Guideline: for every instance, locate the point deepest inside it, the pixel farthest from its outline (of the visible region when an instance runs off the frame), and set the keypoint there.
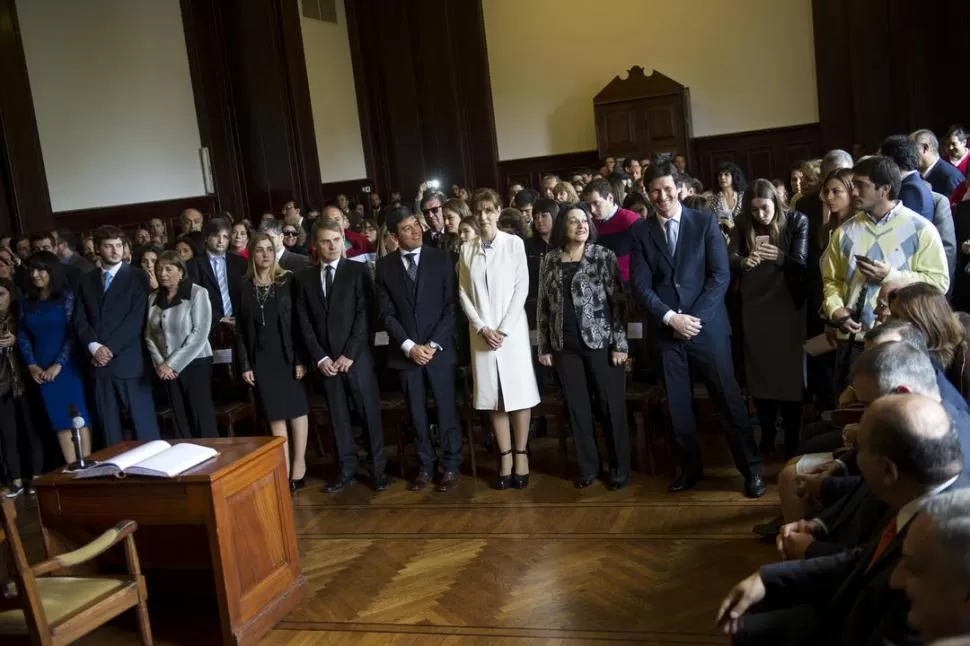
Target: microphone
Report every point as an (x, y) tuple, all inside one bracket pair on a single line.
[(77, 423)]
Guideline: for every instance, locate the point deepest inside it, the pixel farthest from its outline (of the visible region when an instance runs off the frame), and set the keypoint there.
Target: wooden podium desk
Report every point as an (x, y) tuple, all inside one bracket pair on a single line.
[(232, 515)]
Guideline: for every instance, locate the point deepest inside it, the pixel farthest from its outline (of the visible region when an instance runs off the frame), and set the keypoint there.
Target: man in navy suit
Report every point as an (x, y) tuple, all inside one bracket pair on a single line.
[(914, 192), (221, 273), (416, 297), (942, 176), (112, 305), (909, 452), (680, 274)]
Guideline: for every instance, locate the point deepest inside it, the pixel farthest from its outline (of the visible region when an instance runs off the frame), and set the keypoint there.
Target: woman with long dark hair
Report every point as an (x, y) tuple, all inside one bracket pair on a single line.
[(46, 341), (769, 247), (726, 203)]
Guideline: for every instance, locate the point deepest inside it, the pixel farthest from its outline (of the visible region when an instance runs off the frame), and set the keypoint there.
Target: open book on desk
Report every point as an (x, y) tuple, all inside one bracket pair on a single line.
[(158, 459)]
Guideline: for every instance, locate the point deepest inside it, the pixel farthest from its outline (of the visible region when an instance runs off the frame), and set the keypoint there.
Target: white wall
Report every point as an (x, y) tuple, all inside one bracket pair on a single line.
[(113, 99), (749, 64), (333, 99)]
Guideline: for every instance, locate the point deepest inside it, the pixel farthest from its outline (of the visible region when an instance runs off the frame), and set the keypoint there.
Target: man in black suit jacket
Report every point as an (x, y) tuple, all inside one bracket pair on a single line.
[(908, 452), (942, 175), (680, 274), (112, 305), (416, 298), (294, 262), (431, 208), (219, 272), (332, 304)]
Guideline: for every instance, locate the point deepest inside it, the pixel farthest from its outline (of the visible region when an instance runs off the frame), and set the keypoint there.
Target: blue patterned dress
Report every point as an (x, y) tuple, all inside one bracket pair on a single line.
[(46, 337)]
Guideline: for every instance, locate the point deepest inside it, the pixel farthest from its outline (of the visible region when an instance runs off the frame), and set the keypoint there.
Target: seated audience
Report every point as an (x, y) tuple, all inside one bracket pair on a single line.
[(614, 225), (268, 351), (943, 177), (884, 241), (13, 404), (769, 247), (908, 453), (333, 303), (421, 327), (46, 341), (493, 285), (177, 337), (112, 306), (582, 332), (728, 196), (932, 569)]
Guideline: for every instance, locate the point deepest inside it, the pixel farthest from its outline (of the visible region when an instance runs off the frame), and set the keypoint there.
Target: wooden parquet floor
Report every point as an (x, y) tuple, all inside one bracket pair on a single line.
[(548, 565)]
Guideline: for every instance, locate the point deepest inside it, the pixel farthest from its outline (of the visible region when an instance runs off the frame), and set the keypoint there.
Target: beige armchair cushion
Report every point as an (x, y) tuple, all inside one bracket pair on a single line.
[(62, 597)]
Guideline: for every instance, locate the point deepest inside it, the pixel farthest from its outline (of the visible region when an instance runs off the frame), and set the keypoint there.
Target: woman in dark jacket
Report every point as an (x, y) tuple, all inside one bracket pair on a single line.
[(268, 353), (583, 333), (769, 248)]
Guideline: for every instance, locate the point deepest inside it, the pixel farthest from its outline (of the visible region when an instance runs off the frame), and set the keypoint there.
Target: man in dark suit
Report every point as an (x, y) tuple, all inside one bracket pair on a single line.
[(942, 176), (333, 302), (416, 298), (75, 265), (680, 274), (219, 272), (908, 453), (112, 305), (431, 208), (295, 262), (914, 193)]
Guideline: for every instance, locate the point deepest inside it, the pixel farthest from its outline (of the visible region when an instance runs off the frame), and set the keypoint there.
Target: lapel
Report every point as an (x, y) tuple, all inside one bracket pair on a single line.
[(423, 259), (685, 233), (206, 263), (120, 275), (316, 286), (660, 239), (340, 276)]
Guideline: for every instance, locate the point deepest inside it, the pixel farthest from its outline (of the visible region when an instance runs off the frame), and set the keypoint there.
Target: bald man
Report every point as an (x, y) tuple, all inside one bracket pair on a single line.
[(909, 452), (191, 220), (934, 571)]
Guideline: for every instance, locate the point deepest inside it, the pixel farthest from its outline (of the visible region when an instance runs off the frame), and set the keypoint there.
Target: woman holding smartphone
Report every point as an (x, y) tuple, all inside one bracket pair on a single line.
[(769, 247)]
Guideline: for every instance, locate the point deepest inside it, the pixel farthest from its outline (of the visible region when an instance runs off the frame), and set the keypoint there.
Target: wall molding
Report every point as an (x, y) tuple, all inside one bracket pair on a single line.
[(127, 216), (767, 153)]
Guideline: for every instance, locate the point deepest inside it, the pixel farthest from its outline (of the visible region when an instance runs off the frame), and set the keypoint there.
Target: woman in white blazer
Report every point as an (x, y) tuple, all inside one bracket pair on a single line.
[(493, 280)]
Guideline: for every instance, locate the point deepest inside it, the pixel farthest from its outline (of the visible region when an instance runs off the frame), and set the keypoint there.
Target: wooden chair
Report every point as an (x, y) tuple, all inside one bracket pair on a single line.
[(52, 610)]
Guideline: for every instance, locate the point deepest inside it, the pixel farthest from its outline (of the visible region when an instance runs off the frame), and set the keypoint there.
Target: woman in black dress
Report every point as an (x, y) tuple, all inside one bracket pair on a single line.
[(268, 352)]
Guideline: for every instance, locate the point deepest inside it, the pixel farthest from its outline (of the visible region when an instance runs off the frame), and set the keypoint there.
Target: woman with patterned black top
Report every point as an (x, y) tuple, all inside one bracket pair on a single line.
[(727, 198), (582, 332), (268, 353)]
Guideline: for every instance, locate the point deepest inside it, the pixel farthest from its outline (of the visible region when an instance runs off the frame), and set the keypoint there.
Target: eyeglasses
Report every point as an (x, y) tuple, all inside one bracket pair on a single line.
[(289, 234), (435, 209)]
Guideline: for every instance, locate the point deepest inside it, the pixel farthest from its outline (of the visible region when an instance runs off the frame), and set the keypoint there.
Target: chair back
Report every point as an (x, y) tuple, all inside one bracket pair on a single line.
[(27, 598)]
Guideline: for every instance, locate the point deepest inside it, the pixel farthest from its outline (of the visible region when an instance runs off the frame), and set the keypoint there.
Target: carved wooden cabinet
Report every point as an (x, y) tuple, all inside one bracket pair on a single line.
[(642, 115)]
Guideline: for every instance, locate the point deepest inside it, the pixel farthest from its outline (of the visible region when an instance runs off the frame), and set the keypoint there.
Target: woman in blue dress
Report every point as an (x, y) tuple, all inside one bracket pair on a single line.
[(45, 338)]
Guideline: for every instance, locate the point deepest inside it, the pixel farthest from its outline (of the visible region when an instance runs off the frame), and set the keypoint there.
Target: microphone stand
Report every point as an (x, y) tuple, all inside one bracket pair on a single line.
[(77, 423)]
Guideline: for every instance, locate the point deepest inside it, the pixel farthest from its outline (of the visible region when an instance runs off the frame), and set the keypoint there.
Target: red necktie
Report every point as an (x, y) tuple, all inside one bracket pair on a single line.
[(887, 537)]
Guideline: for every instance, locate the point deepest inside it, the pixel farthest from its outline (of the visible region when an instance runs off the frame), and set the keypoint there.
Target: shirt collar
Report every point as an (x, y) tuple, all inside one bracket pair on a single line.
[(612, 213), (889, 214), (415, 254), (213, 256), (910, 509), (678, 211), (329, 264), (960, 161), (279, 254), (927, 172), (113, 270), (908, 173)]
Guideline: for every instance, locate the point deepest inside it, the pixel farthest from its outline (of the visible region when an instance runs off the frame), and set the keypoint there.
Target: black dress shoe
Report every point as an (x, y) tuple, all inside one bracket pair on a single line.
[(503, 482), (769, 529), (582, 483), (520, 481), (297, 484), (754, 486), (685, 481), (381, 482), (422, 481), (616, 485), (449, 480), (340, 484)]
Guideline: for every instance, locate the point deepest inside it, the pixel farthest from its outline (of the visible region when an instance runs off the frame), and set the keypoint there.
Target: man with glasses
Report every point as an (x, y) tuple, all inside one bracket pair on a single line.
[(284, 257), (433, 215)]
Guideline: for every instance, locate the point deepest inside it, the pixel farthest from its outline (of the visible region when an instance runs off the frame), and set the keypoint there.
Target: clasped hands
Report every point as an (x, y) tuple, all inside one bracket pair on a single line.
[(331, 368), (102, 357), (493, 338), (421, 354), (44, 376), (685, 326)]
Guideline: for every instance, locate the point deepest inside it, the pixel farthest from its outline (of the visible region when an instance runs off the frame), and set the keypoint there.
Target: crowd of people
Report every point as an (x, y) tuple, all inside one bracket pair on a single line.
[(864, 259)]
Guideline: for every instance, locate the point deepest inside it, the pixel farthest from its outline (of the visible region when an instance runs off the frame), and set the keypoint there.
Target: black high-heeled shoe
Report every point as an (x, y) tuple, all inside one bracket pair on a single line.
[(504, 482), (297, 484), (519, 481)]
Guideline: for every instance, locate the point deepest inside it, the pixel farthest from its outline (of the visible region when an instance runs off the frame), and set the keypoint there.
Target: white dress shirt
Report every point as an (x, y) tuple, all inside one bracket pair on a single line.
[(94, 346), (663, 225), (416, 256), (323, 287)]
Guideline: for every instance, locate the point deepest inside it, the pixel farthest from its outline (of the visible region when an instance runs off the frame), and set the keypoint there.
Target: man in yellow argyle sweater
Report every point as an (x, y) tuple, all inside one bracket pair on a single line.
[(882, 243)]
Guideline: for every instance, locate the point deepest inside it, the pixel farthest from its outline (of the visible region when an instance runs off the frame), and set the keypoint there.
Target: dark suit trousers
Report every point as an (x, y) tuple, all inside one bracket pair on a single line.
[(112, 395), (782, 627), (585, 375), (441, 379), (191, 399), (710, 352), (362, 387), (846, 352)]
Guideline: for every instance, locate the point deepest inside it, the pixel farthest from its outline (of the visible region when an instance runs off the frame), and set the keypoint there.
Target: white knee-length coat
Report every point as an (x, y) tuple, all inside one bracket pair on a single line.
[(493, 286)]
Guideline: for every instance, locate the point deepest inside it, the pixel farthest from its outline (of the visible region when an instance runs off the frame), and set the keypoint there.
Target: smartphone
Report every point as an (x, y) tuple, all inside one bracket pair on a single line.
[(862, 259), (761, 240), (433, 183)]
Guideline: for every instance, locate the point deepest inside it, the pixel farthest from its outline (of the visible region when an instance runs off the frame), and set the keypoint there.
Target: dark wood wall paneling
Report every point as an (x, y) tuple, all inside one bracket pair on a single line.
[(25, 204), (352, 188), (423, 92), (760, 153), (529, 171), (889, 66), (127, 216), (253, 102)]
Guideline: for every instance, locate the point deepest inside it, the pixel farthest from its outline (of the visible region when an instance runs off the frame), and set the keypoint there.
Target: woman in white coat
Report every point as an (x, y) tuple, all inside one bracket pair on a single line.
[(493, 280)]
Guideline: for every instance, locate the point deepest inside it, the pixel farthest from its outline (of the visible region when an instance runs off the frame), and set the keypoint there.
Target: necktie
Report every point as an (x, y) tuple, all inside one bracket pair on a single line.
[(220, 266), (328, 281), (671, 236), (107, 280), (887, 537), (412, 268)]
